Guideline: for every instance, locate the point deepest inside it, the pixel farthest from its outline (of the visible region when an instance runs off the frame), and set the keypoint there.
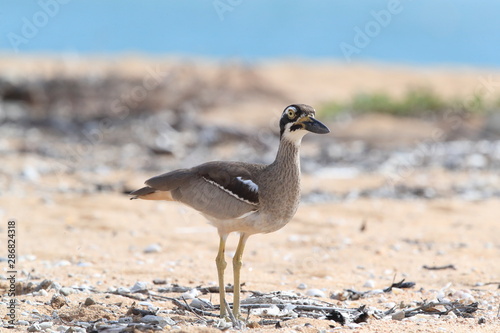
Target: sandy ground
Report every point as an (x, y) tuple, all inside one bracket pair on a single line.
[(99, 239)]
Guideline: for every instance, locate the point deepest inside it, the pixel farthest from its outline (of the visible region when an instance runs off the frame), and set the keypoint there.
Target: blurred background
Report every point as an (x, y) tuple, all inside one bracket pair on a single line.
[(92, 86), (98, 96)]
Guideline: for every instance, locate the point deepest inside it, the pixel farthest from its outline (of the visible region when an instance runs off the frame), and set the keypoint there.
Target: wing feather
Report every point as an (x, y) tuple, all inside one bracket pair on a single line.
[(222, 190)]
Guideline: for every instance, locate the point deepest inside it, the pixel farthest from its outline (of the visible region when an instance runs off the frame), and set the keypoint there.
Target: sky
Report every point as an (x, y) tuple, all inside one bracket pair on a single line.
[(449, 32)]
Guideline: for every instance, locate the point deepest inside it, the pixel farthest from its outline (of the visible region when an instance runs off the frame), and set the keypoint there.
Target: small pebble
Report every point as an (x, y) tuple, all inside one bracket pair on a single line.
[(43, 292), (161, 321), (481, 321), (56, 286), (369, 284), (46, 324), (390, 305), (89, 301), (62, 263), (34, 328), (193, 293), (139, 287), (420, 318), (153, 248), (201, 303), (273, 310), (159, 281), (400, 315), (123, 290), (125, 320), (148, 304), (23, 322), (353, 325), (45, 284), (315, 293), (57, 302), (397, 291), (66, 291), (302, 286), (451, 315)]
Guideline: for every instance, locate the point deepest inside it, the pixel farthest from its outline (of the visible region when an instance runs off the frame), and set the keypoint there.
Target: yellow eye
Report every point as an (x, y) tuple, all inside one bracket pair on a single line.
[(291, 113)]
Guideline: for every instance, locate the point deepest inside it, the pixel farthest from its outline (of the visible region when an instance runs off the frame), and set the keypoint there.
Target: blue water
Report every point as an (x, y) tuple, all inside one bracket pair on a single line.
[(451, 32)]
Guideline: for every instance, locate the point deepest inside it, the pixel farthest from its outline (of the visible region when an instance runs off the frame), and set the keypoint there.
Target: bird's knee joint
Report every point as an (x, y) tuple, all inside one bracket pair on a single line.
[(237, 263), (221, 262)]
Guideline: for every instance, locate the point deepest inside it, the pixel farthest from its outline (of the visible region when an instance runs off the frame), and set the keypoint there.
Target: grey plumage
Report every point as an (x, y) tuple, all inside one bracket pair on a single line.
[(242, 197)]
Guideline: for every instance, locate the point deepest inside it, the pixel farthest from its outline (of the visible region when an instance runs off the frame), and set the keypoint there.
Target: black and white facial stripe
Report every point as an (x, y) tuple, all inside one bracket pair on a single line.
[(292, 114)]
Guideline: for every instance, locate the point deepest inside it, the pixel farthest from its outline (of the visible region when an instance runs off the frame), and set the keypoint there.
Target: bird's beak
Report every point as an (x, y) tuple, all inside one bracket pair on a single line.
[(313, 125)]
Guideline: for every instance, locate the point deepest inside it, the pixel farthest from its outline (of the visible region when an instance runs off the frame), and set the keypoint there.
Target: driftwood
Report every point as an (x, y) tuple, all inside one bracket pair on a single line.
[(282, 306)]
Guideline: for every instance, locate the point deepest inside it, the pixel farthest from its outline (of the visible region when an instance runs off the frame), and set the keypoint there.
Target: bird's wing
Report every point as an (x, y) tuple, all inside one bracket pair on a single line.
[(222, 190)]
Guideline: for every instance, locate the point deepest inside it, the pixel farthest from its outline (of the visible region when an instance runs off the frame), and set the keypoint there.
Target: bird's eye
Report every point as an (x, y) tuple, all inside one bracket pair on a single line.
[(291, 113)]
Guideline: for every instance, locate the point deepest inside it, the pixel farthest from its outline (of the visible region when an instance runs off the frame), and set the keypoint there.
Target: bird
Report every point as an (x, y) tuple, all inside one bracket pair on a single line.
[(246, 198)]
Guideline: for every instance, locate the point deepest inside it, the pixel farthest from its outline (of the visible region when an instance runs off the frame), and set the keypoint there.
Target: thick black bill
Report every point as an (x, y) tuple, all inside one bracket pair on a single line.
[(315, 126)]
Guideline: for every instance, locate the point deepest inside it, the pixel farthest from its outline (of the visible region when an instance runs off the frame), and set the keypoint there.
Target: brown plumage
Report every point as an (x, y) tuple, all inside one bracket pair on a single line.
[(242, 197)]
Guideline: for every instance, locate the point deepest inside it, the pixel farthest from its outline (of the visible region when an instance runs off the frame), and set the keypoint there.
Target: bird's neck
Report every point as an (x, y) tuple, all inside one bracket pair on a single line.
[(287, 157)]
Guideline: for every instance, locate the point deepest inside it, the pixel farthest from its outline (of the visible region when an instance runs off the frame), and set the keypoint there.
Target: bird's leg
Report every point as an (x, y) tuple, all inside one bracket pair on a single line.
[(221, 266), (236, 270)]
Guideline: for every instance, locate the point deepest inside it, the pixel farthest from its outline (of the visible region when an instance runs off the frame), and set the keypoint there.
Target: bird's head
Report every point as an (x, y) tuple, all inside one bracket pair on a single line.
[(297, 120)]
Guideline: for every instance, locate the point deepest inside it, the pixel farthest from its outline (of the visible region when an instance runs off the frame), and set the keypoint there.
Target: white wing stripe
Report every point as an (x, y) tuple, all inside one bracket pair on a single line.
[(251, 185), (229, 192)]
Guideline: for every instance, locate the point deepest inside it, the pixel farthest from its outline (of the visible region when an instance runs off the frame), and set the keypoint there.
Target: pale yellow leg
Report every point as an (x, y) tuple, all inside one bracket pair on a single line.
[(221, 266), (236, 271)]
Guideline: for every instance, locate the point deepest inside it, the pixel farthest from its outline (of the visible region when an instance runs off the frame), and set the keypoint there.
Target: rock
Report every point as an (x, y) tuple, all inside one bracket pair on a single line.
[(193, 293), (139, 287), (302, 286), (148, 304), (45, 284), (400, 315), (123, 290), (390, 305), (57, 302), (315, 293), (42, 292), (153, 248), (62, 263), (46, 324), (66, 291), (369, 284), (125, 320), (200, 303), (23, 322), (89, 301), (34, 328), (159, 281), (56, 286), (158, 320), (353, 326)]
